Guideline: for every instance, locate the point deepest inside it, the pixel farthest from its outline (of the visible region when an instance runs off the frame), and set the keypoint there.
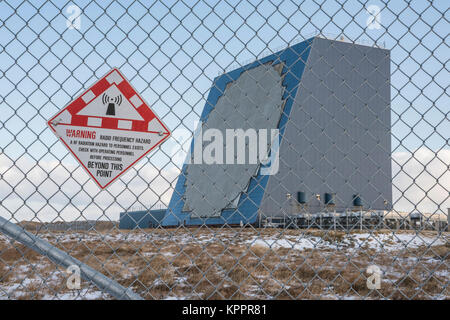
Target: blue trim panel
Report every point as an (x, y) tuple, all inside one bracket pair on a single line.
[(294, 59), (141, 219)]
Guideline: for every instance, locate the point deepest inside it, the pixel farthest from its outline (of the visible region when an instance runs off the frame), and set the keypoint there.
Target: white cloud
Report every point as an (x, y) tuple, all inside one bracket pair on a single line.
[(64, 191), (421, 181)]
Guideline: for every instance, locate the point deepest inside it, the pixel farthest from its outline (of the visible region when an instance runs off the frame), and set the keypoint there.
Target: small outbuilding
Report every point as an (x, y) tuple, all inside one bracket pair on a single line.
[(141, 219)]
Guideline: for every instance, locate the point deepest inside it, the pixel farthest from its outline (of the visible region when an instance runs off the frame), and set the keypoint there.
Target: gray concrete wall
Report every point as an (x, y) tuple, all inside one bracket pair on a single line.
[(338, 138)]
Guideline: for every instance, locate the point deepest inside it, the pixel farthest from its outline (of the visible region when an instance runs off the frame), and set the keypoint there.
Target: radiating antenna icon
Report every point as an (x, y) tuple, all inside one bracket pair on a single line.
[(111, 110)]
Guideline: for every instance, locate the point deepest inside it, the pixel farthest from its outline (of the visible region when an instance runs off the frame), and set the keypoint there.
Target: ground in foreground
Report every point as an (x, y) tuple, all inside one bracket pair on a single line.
[(226, 263)]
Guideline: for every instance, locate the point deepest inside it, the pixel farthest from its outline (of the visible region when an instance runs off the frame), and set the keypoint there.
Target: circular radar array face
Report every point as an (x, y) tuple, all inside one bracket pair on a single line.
[(253, 101)]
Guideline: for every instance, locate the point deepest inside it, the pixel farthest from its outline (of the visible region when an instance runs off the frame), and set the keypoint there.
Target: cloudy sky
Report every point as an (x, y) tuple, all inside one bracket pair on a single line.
[(171, 51), (54, 190)]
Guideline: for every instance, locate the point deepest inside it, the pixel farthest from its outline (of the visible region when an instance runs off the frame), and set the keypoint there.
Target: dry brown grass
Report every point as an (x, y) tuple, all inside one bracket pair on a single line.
[(175, 263)]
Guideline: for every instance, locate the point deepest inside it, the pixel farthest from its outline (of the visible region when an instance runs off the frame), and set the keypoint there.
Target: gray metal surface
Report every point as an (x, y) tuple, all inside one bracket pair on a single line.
[(253, 101), (338, 138)]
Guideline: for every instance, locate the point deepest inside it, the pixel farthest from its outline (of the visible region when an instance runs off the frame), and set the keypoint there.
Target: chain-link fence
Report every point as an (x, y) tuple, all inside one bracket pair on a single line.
[(308, 155)]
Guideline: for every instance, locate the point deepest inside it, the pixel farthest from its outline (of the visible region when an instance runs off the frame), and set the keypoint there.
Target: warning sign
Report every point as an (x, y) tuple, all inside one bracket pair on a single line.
[(108, 128)]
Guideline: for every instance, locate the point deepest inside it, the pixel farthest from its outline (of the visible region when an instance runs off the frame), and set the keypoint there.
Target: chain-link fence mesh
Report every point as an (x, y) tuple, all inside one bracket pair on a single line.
[(348, 198)]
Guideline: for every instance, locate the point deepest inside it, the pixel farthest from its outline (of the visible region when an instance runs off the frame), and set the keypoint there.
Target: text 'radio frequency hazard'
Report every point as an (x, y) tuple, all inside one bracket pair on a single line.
[(106, 154)]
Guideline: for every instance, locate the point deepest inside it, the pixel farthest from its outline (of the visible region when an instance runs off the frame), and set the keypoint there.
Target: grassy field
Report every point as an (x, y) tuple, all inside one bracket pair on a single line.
[(236, 263)]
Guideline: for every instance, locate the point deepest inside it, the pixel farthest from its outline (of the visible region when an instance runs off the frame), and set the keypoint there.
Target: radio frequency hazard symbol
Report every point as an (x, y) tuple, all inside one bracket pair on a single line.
[(108, 128)]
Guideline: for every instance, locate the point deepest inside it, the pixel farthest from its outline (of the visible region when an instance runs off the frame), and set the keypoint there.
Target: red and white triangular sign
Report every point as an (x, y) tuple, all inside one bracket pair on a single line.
[(108, 128)]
